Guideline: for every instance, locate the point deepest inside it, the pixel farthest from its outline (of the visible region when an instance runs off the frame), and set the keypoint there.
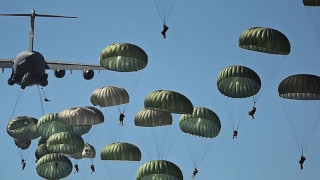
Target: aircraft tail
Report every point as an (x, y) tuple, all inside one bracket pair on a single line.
[(32, 15)]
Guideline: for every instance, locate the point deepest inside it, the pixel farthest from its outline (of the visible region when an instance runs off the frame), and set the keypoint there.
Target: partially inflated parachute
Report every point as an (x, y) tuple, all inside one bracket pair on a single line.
[(202, 122), (152, 118), (54, 166), (109, 96), (168, 101), (23, 128), (238, 82), (300, 97), (121, 152), (159, 169), (22, 144), (65, 143), (123, 57), (265, 40)]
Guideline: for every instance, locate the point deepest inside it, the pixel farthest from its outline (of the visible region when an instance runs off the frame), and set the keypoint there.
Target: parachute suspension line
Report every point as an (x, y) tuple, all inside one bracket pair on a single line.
[(40, 96), (292, 129), (315, 108), (16, 103), (155, 144), (171, 146), (133, 89), (157, 7), (206, 152), (169, 13), (193, 158)]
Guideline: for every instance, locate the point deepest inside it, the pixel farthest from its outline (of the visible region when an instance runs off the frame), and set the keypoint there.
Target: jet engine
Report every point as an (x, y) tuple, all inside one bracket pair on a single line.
[(59, 73), (88, 74)]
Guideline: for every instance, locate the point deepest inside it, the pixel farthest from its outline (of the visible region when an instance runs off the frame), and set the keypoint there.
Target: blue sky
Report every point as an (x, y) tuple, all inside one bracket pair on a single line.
[(201, 41)]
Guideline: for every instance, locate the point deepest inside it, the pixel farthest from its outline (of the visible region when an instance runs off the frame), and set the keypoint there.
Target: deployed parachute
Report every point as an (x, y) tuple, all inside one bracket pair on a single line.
[(265, 40), (168, 101), (23, 128), (79, 116), (109, 96), (65, 143), (22, 144), (121, 152), (164, 8), (263, 50), (199, 128), (238, 83), (300, 96), (203, 122), (54, 166), (49, 125), (158, 125), (41, 150), (312, 8), (123, 57), (159, 169), (120, 156), (152, 118)]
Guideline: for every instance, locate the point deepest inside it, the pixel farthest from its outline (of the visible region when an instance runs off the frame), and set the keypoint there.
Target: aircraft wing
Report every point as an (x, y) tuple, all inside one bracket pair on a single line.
[(57, 65), (6, 63)]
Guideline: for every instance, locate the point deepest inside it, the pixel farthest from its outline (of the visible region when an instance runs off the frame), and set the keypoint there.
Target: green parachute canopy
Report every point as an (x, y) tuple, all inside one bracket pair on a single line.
[(123, 57), (22, 144), (23, 128), (152, 118), (46, 166), (311, 2), (81, 130), (78, 116), (109, 96), (265, 40), (202, 122), (238, 82), (159, 169), (41, 150), (168, 101), (300, 87), (65, 143), (121, 152), (49, 125), (42, 141)]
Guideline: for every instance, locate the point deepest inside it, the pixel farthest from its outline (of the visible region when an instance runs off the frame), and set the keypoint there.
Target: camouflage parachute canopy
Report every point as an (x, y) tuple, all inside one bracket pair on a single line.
[(121, 152), (168, 101), (203, 122), (123, 57), (109, 96), (54, 166), (311, 2), (159, 169), (81, 116), (152, 118), (300, 87), (238, 82), (265, 40), (23, 128)]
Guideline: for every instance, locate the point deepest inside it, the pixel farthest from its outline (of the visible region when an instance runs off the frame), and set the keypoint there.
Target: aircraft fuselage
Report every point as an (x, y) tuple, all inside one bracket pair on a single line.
[(29, 69)]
